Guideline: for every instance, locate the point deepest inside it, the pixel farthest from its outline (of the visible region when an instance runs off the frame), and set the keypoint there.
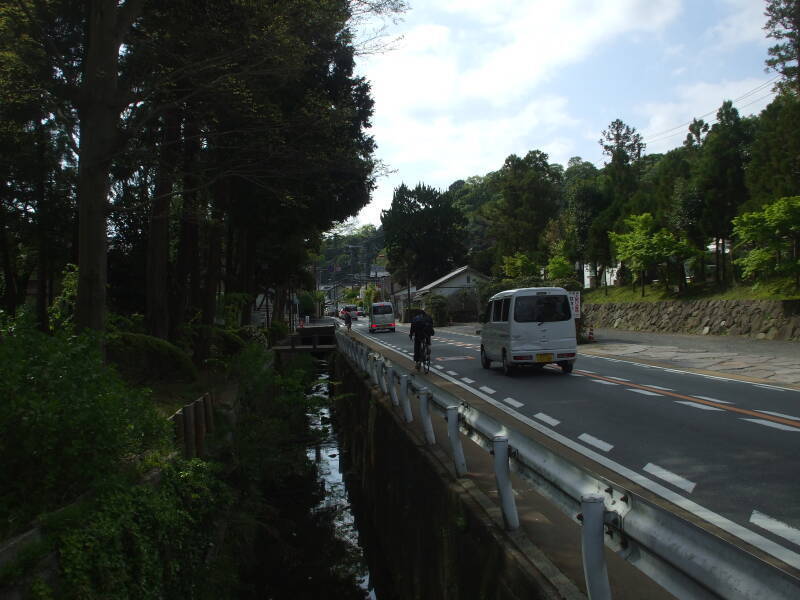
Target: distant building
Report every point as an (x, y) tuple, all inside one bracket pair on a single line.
[(463, 278)]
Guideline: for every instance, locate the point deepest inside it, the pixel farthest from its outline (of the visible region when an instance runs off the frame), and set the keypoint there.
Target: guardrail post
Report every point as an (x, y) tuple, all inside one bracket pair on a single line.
[(425, 415), (502, 475), (382, 375), (392, 389), (405, 401), (592, 547), (459, 461), (188, 431)]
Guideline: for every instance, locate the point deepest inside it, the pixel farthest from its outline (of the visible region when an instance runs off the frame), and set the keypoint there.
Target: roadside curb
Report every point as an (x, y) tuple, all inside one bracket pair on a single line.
[(667, 365)]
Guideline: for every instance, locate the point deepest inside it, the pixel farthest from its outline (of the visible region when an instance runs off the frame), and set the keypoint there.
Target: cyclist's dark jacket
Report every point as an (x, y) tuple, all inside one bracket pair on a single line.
[(422, 327)]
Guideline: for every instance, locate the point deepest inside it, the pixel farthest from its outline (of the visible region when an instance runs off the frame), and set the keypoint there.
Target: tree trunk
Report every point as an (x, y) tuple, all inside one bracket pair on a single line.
[(98, 110), (9, 270), (212, 279), (185, 281), (158, 239)]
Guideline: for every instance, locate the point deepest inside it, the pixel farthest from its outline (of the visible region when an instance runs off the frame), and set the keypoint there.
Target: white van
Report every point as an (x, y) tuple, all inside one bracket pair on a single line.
[(381, 316), (529, 326)]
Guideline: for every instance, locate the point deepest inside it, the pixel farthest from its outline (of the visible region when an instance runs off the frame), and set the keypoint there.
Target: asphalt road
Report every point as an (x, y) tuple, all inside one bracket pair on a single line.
[(722, 448)]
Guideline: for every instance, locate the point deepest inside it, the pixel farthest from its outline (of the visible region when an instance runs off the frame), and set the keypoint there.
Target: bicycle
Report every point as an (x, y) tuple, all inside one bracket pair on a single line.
[(424, 362)]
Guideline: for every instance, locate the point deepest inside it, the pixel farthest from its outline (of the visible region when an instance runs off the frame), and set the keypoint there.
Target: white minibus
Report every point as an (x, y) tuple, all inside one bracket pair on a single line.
[(529, 326), (381, 317)]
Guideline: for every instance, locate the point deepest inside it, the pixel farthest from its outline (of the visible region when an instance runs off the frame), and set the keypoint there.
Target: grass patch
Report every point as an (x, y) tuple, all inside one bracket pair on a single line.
[(774, 289)]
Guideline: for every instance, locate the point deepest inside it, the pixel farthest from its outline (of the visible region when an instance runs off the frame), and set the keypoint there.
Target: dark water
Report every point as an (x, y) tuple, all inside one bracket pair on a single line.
[(336, 501)]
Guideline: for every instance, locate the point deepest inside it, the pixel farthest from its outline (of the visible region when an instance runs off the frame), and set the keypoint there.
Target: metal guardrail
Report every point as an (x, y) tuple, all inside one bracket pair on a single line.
[(685, 559)]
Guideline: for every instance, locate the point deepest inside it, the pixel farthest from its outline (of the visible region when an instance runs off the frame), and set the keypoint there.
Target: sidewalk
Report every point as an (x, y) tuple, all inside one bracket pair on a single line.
[(762, 361)]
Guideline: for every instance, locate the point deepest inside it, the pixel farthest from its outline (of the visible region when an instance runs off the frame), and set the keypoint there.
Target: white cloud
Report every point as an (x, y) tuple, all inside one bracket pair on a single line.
[(744, 24)]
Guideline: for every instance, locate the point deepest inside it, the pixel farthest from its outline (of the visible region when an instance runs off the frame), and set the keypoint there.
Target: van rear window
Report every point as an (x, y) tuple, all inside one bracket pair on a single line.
[(382, 309), (541, 309)]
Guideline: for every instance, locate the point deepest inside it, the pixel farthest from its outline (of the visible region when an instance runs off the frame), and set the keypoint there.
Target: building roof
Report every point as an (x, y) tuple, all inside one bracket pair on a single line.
[(427, 288)]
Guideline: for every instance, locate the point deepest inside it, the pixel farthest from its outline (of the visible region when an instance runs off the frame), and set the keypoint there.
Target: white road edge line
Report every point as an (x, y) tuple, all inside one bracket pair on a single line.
[(696, 405), (547, 419), (669, 476), (780, 528), (705, 375), (777, 414), (644, 392), (597, 443), (743, 533), (711, 399), (766, 423)]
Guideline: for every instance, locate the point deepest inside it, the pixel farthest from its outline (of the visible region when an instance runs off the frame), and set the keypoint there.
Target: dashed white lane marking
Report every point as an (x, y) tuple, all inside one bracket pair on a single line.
[(644, 392), (780, 426), (467, 380), (669, 476), (777, 414), (604, 382), (713, 399), (453, 373), (658, 387), (597, 443), (619, 378), (587, 371), (780, 528), (513, 402), (545, 418), (488, 390), (696, 405), (438, 367)]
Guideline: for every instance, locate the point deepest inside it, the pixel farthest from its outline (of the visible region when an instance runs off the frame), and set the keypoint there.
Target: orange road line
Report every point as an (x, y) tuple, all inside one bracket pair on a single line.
[(743, 411)]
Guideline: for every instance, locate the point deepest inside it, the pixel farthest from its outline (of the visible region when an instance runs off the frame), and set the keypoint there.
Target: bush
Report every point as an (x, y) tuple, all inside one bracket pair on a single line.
[(137, 541), (143, 358), (66, 421), (437, 308), (278, 330)]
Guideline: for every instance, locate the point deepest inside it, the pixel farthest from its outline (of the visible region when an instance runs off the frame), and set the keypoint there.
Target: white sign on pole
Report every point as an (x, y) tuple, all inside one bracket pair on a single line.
[(575, 303)]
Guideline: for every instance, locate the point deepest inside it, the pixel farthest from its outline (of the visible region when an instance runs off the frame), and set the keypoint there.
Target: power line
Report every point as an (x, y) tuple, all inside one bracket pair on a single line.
[(658, 136), (710, 123)]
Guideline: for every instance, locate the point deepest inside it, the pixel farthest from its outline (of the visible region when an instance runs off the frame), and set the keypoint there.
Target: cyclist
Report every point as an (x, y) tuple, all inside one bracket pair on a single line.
[(421, 332), (348, 319)]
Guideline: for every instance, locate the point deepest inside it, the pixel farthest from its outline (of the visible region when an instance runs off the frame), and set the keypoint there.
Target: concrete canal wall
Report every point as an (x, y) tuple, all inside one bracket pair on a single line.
[(435, 532)]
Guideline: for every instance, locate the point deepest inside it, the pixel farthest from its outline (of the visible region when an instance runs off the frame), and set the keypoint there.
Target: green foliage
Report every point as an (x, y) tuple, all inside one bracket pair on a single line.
[(66, 421), (278, 330), (424, 234), (232, 305), (436, 306), (772, 236), (519, 265), (143, 358), (138, 541), (62, 310), (560, 268)]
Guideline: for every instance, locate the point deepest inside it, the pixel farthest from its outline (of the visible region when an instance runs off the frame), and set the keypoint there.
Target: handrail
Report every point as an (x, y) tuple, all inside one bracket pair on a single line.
[(687, 560)]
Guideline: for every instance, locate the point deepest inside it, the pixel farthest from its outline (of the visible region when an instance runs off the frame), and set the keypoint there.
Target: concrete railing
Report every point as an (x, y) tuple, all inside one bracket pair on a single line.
[(685, 559)]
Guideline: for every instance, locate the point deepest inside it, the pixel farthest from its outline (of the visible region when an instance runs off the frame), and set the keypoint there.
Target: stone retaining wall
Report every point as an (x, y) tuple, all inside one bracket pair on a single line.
[(761, 319)]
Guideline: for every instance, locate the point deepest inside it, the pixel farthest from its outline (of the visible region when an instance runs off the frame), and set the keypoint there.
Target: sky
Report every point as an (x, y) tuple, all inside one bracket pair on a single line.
[(469, 82)]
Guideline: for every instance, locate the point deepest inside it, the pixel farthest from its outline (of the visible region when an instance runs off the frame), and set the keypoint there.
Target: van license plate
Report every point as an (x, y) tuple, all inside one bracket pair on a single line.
[(544, 358)]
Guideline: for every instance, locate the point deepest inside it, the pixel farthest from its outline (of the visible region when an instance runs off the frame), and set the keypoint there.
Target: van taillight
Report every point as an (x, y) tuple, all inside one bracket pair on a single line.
[(391, 324)]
